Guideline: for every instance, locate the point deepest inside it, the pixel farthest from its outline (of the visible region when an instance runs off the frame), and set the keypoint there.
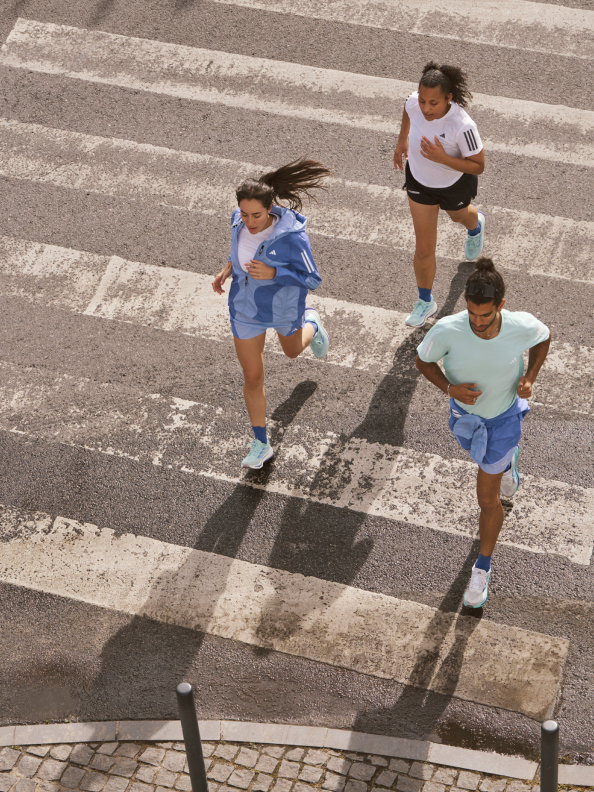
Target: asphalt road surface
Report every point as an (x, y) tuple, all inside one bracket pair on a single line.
[(325, 590)]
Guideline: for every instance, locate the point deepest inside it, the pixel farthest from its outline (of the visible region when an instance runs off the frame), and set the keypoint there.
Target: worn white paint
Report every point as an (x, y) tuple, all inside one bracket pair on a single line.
[(317, 465), (363, 336), (366, 213), (293, 90), (492, 664), (516, 24)]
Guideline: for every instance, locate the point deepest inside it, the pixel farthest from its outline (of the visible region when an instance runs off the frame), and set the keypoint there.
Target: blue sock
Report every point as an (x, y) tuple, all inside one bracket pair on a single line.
[(260, 433), (476, 231), (507, 468), (424, 294), (483, 562)]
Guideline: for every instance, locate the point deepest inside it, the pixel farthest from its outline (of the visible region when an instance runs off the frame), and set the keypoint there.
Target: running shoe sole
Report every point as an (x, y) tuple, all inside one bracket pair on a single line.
[(515, 475), (322, 332), (268, 455)]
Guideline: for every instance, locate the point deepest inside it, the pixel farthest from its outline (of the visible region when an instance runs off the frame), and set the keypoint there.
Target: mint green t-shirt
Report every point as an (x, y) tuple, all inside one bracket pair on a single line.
[(495, 364)]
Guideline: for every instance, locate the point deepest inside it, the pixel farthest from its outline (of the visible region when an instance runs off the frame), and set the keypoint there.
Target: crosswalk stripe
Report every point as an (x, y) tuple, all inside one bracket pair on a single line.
[(363, 336), (353, 211), (482, 661), (286, 89), (320, 466), (513, 24)]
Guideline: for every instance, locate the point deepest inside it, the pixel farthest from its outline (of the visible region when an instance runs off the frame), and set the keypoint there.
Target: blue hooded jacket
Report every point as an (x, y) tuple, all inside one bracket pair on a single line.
[(280, 301)]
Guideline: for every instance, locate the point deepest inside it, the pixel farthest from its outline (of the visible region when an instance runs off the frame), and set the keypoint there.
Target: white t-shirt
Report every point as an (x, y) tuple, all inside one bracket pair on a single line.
[(248, 244), (457, 133)]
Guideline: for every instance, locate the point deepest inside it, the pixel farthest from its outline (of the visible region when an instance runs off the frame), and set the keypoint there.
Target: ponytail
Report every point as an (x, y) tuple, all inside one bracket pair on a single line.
[(485, 274), (450, 79), (288, 183)]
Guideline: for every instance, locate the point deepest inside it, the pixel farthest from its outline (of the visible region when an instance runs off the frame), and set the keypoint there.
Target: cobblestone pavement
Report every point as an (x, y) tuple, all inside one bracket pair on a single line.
[(160, 767)]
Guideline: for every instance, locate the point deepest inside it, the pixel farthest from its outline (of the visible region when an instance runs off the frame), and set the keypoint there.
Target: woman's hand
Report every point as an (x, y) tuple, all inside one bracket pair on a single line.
[(260, 271), (434, 151), (217, 284), (464, 392), (401, 154)]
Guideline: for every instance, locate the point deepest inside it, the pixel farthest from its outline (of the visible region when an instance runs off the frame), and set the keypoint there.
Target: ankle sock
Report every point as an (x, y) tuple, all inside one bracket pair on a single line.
[(424, 294), (315, 324), (260, 433), (483, 562), (476, 231)]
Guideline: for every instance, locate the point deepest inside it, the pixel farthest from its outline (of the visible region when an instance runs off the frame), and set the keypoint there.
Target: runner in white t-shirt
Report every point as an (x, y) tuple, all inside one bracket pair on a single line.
[(441, 148)]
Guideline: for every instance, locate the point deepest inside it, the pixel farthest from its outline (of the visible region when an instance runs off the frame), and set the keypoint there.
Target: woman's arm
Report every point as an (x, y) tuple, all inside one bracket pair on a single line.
[(435, 152), (401, 149), (217, 284)]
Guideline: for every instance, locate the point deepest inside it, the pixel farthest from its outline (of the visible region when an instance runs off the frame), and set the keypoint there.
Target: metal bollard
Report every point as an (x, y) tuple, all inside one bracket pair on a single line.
[(191, 732), (549, 756)]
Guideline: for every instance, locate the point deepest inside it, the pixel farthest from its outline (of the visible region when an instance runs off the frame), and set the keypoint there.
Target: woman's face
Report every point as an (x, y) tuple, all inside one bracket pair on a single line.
[(254, 215), (433, 103)]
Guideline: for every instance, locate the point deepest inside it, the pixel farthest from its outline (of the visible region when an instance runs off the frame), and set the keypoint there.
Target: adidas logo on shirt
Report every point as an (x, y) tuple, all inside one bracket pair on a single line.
[(442, 134), (272, 253)]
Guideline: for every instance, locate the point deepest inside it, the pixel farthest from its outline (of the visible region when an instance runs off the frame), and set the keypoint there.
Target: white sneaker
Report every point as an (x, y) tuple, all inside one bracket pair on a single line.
[(474, 244), (421, 312), (477, 592), (510, 481)]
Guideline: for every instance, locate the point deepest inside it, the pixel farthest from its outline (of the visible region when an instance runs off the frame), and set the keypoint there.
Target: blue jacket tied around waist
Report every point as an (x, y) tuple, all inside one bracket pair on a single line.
[(282, 299), (488, 440)]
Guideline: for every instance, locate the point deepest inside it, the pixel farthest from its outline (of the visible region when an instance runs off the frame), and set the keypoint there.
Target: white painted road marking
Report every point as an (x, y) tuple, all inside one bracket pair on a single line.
[(319, 466), (363, 336), (535, 243), (287, 89), (478, 660), (515, 24)]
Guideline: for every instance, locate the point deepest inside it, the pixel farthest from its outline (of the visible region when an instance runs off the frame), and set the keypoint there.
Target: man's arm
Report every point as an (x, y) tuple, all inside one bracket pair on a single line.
[(462, 393), (536, 357)]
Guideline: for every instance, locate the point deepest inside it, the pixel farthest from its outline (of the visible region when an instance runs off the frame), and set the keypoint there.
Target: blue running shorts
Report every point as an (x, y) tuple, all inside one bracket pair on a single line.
[(245, 328)]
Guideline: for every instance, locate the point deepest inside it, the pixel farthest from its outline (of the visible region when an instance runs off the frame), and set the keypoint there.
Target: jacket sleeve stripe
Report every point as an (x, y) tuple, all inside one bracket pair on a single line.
[(307, 262)]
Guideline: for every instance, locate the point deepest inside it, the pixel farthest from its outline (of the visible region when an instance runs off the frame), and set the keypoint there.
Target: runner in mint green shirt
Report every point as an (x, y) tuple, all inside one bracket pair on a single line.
[(482, 354)]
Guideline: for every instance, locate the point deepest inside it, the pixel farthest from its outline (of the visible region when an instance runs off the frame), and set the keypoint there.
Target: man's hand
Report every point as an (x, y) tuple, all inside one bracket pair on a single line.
[(464, 392), (434, 151), (260, 271), (524, 388)]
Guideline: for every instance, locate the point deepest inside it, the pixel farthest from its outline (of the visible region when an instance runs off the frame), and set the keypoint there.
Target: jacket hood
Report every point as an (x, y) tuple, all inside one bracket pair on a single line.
[(289, 222)]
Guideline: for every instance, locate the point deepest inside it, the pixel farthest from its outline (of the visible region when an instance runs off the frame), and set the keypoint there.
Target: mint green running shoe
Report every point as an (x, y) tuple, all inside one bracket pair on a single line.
[(259, 453), (321, 340), (477, 592), (420, 313), (510, 481), (475, 244)]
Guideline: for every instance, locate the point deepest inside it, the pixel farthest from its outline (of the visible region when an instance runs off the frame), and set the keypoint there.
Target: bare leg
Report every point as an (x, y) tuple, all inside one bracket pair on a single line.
[(250, 353), (468, 217), (294, 344), (425, 223), (491, 519)]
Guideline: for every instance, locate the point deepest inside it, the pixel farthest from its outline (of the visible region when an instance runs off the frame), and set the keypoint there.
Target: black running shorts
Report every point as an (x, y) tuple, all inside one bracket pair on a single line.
[(458, 196)]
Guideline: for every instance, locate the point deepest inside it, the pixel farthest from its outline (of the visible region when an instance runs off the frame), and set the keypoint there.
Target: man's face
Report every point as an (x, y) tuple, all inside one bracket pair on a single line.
[(481, 317)]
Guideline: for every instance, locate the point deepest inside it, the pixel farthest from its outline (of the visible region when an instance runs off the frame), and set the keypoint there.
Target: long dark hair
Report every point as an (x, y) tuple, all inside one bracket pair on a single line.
[(450, 79), (288, 183), (485, 274)]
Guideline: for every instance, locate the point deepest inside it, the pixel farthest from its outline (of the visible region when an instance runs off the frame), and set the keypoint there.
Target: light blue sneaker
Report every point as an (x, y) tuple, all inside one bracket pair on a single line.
[(259, 453), (477, 592), (475, 244), (420, 313), (510, 480), (321, 340)]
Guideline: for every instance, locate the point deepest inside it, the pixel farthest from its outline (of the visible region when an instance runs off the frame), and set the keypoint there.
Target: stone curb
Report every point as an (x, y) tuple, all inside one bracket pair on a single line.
[(302, 736)]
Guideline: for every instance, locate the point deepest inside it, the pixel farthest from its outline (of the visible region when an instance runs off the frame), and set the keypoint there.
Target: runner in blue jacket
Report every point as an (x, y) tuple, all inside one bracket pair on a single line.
[(272, 269)]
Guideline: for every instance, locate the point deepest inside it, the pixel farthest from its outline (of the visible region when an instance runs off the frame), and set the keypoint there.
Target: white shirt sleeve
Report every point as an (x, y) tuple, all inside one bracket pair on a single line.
[(412, 104), (469, 141)]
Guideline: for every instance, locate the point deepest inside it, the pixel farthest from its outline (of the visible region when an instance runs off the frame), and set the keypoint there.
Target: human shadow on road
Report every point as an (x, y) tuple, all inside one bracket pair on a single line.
[(417, 704)]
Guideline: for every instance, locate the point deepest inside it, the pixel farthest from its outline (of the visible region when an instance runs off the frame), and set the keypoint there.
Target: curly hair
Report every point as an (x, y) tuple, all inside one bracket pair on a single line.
[(485, 274), (450, 79)]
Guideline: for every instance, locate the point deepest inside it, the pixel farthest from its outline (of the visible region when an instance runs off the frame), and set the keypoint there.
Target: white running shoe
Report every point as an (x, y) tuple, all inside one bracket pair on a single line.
[(420, 313), (321, 340), (259, 453), (475, 244), (477, 592), (510, 481)]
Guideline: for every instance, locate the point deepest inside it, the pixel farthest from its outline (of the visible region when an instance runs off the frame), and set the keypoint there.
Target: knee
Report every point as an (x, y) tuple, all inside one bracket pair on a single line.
[(253, 380), (490, 502), (424, 250), (292, 353)]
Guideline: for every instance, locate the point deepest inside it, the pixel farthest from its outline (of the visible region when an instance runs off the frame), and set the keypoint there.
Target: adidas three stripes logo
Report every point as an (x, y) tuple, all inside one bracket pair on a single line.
[(470, 140)]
